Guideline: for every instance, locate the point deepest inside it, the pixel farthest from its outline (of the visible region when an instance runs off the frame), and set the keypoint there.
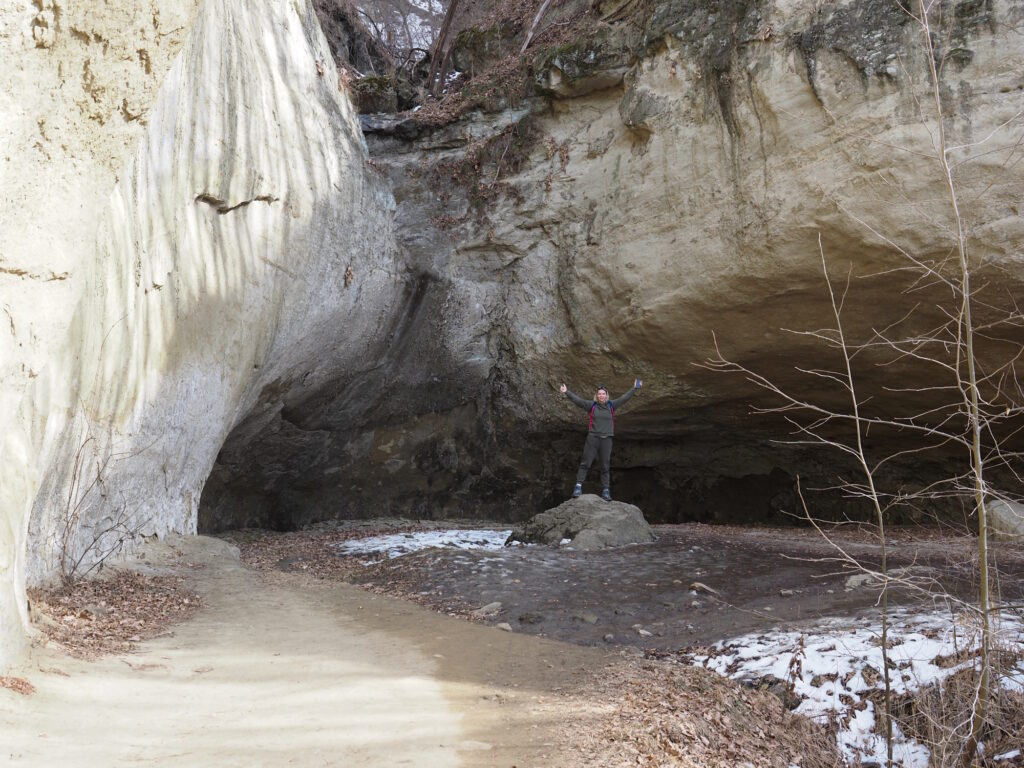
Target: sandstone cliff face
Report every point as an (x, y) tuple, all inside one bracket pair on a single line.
[(77, 86), (250, 312), (244, 255), (668, 186)]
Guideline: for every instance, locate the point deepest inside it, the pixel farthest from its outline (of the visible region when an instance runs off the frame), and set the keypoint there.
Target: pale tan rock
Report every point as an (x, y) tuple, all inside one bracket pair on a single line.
[(217, 275), (648, 218), (653, 217), (76, 83)]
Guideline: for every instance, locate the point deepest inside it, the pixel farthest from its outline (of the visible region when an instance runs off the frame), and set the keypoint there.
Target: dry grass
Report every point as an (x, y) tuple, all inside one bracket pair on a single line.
[(939, 716), (97, 617)]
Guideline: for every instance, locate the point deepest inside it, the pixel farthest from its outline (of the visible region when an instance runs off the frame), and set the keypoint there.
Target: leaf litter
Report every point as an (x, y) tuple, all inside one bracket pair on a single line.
[(98, 617), (18, 685)]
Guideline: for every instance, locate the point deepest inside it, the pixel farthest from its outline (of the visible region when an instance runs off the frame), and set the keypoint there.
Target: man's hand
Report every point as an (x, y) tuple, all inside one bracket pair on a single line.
[(563, 389), (637, 383)]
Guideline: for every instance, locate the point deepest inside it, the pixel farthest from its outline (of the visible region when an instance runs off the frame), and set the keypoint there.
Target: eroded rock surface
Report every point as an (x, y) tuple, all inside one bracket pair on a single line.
[(587, 522), (77, 86), (675, 194), (244, 256)]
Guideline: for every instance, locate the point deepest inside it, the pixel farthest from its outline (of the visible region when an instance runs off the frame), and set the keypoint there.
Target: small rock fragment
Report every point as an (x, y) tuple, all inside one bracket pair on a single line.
[(858, 580), (504, 626), (487, 610), (699, 586)]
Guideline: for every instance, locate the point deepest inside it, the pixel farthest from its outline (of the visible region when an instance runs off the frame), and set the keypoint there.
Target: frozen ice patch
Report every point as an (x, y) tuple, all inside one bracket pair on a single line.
[(398, 544)]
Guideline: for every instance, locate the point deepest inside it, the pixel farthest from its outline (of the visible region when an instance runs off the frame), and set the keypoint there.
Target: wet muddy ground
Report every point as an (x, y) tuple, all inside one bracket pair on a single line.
[(695, 585)]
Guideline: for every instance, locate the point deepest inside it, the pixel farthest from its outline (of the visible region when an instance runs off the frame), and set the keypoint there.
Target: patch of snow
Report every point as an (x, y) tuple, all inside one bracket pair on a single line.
[(428, 6), (1014, 680), (398, 544), (833, 666), (1008, 755)]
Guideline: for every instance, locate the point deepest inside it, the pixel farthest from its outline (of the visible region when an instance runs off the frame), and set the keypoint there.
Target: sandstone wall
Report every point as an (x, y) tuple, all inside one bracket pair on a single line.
[(78, 84), (243, 253)]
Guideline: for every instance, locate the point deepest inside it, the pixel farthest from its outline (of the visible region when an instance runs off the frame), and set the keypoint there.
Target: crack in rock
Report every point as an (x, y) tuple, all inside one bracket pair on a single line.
[(222, 206)]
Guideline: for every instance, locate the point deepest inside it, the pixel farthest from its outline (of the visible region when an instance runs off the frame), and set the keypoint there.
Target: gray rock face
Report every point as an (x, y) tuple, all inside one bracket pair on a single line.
[(588, 522)]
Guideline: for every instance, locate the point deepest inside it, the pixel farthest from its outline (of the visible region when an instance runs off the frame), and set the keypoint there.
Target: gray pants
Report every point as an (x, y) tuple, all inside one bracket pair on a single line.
[(596, 445)]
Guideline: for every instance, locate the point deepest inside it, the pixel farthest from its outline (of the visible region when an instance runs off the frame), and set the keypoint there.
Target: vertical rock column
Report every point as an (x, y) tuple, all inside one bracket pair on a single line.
[(246, 253)]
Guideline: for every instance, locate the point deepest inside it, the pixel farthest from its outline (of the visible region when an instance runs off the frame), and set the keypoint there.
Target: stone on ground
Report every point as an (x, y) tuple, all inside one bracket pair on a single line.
[(1007, 518), (588, 522)]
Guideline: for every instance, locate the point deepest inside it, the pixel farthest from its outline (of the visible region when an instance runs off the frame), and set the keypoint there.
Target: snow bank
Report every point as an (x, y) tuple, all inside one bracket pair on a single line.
[(833, 666)]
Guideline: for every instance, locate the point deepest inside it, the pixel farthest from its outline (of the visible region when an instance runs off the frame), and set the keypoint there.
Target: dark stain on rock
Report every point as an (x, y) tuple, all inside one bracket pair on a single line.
[(713, 34), (871, 35)]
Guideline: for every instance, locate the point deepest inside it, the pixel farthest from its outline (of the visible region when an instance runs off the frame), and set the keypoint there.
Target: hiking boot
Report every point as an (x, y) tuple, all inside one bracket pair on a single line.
[(606, 494), (577, 491)]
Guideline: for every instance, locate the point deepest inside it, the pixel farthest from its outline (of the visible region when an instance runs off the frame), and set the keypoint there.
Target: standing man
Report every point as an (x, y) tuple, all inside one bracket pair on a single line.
[(599, 438)]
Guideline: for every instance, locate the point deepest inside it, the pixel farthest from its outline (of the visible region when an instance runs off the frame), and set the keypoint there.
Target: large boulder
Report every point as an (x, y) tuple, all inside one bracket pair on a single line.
[(588, 522), (1006, 518)]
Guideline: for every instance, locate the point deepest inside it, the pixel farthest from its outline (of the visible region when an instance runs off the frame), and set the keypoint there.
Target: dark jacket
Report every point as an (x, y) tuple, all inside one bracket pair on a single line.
[(602, 422)]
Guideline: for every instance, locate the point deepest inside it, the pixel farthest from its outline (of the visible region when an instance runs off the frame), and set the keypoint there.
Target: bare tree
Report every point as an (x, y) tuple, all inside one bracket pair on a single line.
[(84, 544), (439, 53)]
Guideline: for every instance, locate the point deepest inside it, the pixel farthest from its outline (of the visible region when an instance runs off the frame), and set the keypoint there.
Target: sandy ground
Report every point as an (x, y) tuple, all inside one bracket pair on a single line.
[(274, 671), (288, 662)]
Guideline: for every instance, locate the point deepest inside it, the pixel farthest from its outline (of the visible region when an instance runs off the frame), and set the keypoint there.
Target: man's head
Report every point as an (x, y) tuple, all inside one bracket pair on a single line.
[(602, 395)]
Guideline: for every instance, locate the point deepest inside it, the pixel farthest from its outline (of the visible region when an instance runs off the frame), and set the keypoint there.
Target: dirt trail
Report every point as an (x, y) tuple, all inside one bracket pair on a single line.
[(276, 671)]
